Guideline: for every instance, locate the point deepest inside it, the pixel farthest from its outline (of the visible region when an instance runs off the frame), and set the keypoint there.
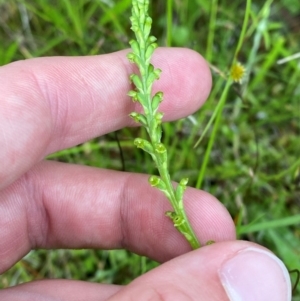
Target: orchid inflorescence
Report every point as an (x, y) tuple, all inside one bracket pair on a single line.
[(142, 50)]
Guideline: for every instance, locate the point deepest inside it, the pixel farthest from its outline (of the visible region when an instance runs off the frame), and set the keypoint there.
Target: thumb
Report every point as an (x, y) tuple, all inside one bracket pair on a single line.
[(232, 271)]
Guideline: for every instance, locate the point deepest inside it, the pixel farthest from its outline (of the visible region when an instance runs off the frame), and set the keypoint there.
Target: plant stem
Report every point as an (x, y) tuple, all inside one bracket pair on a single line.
[(169, 22), (143, 48), (222, 101), (211, 31), (213, 134)]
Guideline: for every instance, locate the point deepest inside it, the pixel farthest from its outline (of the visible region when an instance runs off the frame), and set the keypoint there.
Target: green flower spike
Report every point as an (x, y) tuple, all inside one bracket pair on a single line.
[(142, 50)]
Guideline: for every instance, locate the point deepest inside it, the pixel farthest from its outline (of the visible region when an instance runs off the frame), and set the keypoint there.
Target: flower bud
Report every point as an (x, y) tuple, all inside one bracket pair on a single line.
[(158, 118), (144, 145), (157, 182), (154, 181), (157, 73), (160, 148), (181, 187), (131, 57), (156, 100), (176, 219), (138, 118), (135, 46), (133, 94), (152, 39), (147, 26), (137, 81), (149, 52)]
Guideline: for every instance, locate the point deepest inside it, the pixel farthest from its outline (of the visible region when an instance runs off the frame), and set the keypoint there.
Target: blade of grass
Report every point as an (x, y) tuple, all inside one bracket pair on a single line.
[(74, 13), (6, 54), (223, 100), (169, 22), (215, 112), (283, 222), (211, 30), (111, 15), (213, 134)]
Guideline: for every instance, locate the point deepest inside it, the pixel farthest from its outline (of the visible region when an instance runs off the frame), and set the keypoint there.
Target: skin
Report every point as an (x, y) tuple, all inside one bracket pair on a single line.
[(49, 104)]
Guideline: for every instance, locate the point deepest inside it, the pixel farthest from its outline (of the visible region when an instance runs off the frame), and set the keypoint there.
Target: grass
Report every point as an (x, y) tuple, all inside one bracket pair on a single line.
[(252, 163)]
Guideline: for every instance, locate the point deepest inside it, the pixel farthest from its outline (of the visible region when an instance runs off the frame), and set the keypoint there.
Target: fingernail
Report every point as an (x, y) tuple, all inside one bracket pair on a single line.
[(255, 275)]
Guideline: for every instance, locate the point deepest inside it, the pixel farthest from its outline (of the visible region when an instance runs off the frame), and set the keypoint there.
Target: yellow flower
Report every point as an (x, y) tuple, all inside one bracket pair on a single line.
[(237, 72)]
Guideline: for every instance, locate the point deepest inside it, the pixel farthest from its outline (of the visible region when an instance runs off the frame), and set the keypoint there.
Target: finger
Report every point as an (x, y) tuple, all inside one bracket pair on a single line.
[(220, 272), (57, 205), (224, 271), (59, 290), (49, 104)]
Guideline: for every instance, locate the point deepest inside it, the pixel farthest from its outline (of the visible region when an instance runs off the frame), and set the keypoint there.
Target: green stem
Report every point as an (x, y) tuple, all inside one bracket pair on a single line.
[(143, 48), (211, 31), (244, 28), (213, 134), (177, 205), (222, 102), (169, 22)]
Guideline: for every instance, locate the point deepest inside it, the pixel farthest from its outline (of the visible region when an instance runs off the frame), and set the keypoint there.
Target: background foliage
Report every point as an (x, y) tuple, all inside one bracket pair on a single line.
[(254, 165)]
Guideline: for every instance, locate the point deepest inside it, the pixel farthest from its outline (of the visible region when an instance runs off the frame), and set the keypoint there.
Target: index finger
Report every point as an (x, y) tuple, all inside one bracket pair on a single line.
[(48, 104)]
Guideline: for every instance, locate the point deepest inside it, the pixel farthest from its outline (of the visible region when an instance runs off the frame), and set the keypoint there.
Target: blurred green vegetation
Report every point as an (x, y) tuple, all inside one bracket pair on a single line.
[(254, 165)]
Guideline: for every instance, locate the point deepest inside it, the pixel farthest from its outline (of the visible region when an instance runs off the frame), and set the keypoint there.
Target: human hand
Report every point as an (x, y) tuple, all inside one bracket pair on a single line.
[(49, 104)]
